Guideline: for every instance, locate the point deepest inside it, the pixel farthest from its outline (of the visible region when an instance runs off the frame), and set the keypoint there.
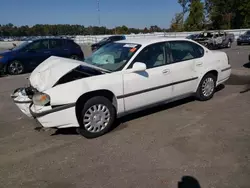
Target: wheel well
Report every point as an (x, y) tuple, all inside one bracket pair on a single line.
[(85, 97), (213, 72)]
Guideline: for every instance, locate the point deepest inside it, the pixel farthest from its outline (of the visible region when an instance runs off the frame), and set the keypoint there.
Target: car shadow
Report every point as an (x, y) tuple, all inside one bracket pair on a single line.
[(121, 122), (188, 182), (247, 65)]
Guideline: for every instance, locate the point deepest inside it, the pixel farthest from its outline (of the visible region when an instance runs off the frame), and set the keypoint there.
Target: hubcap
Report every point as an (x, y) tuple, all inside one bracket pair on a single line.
[(96, 118), (208, 87), (15, 67)]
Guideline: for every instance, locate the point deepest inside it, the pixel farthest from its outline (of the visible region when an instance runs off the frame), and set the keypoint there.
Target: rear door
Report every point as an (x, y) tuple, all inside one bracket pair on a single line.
[(186, 61), (59, 48)]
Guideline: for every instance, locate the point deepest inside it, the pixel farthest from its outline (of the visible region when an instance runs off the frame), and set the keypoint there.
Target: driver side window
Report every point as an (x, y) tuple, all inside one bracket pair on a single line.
[(152, 55), (39, 45)]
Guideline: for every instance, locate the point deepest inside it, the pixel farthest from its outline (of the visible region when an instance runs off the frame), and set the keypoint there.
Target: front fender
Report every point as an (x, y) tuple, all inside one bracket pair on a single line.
[(71, 91)]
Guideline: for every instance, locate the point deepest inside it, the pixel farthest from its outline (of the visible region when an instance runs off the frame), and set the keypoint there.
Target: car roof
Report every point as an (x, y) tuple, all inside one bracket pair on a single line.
[(144, 41), (46, 38)]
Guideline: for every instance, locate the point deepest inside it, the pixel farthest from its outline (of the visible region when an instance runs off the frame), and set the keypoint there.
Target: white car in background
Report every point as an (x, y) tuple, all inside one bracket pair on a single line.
[(120, 78)]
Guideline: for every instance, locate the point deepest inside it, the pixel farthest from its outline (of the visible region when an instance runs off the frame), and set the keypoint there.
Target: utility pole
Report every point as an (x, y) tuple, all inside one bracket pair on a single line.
[(98, 12)]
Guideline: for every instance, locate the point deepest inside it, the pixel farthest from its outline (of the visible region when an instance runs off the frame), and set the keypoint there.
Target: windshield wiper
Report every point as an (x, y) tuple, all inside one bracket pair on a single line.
[(99, 67)]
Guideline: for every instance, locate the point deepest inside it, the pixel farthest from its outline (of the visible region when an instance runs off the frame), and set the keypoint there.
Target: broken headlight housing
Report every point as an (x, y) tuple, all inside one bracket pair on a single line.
[(41, 99)]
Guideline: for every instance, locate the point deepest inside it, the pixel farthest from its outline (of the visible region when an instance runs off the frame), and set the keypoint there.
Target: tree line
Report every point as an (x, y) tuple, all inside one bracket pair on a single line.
[(196, 15), (211, 14), (66, 29)]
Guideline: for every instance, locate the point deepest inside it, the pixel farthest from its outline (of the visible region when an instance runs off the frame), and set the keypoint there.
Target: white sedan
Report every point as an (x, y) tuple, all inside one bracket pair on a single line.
[(120, 78)]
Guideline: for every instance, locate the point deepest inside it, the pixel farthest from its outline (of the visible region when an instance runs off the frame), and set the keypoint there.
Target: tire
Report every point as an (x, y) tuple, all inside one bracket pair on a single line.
[(210, 47), (203, 94), (229, 44), (15, 68), (93, 114), (74, 57), (238, 43)]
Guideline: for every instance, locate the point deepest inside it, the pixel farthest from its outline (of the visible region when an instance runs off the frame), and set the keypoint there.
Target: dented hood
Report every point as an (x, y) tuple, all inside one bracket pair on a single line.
[(46, 75)]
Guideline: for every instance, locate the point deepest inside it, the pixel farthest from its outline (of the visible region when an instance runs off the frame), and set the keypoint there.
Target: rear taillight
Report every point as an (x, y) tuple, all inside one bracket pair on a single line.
[(228, 60)]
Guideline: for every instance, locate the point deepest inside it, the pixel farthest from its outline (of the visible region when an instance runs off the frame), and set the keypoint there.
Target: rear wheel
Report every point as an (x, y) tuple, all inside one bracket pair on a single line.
[(206, 87), (97, 117), (15, 68), (238, 43)]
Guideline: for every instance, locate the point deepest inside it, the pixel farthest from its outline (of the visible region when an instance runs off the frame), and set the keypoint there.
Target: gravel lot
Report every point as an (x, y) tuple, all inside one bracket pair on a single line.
[(209, 141)]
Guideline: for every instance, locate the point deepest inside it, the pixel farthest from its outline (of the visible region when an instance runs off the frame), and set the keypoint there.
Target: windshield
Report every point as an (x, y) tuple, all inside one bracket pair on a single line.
[(20, 46), (113, 56), (247, 33), (103, 40)]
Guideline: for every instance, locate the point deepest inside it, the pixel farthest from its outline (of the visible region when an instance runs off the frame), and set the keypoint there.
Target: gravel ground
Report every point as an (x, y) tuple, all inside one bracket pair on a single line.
[(208, 141)]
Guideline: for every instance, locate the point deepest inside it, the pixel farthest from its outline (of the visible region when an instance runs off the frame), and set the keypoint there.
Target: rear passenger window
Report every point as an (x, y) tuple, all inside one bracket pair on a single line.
[(56, 44), (184, 50), (72, 43)]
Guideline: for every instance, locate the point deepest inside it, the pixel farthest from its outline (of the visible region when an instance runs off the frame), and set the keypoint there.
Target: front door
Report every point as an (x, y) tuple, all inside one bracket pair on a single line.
[(37, 52), (150, 86)]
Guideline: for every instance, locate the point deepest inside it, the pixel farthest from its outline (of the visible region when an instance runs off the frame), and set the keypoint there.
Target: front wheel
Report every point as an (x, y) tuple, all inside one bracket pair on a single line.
[(97, 117), (229, 44), (15, 68), (206, 87)]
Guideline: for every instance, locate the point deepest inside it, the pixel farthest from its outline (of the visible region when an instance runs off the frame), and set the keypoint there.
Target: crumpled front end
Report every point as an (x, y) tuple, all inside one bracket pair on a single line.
[(61, 116), (40, 99), (22, 97)]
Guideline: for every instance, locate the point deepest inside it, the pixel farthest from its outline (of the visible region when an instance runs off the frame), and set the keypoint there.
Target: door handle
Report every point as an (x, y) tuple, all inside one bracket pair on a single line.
[(199, 63), (166, 71)]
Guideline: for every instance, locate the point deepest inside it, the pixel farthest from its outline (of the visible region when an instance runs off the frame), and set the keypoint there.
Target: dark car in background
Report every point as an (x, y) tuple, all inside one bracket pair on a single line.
[(192, 36), (107, 40), (244, 39), (29, 54)]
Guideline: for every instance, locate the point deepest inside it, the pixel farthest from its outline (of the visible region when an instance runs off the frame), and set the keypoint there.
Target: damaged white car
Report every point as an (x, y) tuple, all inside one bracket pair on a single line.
[(120, 78)]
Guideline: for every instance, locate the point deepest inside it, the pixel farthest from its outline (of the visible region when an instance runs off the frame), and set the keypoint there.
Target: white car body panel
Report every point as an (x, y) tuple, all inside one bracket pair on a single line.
[(51, 70), (136, 83), (132, 91), (55, 119)]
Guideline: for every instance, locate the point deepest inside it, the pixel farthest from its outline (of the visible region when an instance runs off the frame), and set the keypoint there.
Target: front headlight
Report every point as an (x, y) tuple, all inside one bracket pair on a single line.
[(1, 57), (41, 99)]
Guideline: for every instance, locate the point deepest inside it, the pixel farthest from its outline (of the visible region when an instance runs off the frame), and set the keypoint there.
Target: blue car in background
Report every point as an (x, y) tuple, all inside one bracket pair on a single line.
[(29, 54), (245, 38)]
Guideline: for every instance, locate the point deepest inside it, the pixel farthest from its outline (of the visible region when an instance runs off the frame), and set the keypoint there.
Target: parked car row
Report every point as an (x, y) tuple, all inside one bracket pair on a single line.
[(219, 39), (117, 79), (25, 38)]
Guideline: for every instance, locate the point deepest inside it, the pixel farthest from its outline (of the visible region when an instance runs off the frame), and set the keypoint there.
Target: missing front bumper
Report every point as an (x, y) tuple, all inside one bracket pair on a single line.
[(62, 116)]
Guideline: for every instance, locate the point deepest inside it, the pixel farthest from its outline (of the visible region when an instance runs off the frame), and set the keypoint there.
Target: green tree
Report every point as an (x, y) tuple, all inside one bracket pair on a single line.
[(195, 19), (184, 4), (176, 23)]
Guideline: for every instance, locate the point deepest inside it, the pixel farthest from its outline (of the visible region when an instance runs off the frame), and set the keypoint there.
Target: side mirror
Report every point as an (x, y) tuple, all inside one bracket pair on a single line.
[(138, 67)]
